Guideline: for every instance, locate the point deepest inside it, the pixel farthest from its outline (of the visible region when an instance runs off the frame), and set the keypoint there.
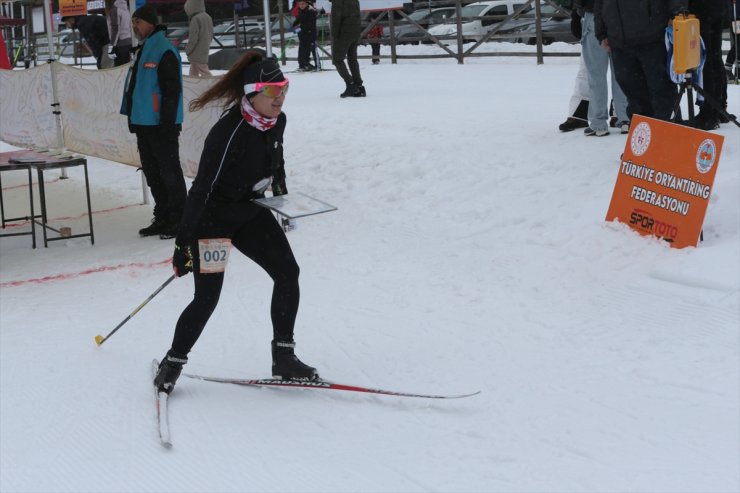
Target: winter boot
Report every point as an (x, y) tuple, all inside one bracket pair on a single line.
[(572, 123), (169, 230), (351, 91), (360, 92), (286, 366), (169, 371), (155, 228)]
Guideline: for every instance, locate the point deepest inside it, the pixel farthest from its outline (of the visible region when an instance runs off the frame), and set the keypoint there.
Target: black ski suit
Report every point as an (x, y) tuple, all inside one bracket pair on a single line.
[(236, 156)]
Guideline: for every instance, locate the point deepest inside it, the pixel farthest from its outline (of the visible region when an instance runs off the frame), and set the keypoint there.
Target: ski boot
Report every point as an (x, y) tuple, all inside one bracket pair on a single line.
[(287, 366), (169, 371)]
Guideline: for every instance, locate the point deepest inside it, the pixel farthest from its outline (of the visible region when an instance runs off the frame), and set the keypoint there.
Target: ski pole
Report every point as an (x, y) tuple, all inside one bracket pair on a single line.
[(100, 339)]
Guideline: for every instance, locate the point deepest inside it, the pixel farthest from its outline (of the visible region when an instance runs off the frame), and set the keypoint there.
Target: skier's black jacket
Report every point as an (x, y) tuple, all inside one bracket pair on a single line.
[(236, 156)]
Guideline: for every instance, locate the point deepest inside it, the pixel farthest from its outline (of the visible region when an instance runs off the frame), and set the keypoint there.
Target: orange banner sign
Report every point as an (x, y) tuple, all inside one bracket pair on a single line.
[(665, 180), (72, 7)]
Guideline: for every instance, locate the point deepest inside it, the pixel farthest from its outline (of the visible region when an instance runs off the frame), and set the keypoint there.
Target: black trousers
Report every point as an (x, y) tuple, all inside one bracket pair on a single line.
[(306, 41), (714, 76), (375, 49), (262, 240), (341, 49), (643, 76), (97, 52), (123, 55), (159, 151)]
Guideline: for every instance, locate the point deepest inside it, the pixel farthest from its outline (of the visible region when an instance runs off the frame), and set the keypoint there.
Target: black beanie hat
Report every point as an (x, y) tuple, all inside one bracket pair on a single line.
[(265, 70), (146, 13)]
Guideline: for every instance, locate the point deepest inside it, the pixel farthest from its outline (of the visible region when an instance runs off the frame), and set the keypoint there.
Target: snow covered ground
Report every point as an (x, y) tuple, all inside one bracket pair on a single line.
[(469, 252)]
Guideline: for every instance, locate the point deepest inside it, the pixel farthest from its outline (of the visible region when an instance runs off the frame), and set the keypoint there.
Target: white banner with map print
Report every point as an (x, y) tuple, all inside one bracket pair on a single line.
[(26, 118), (90, 102)]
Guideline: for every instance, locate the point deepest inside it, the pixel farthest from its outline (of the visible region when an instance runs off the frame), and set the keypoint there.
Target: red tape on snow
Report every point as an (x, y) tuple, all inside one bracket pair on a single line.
[(72, 275)]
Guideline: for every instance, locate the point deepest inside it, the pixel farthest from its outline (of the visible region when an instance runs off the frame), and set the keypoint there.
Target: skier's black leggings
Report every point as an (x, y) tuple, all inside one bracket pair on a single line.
[(262, 240)]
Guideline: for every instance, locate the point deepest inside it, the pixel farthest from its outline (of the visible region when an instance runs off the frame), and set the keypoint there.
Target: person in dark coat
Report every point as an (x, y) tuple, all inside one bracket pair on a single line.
[(634, 32), (153, 103), (730, 61), (242, 156), (345, 34), (93, 29), (305, 24), (713, 19)]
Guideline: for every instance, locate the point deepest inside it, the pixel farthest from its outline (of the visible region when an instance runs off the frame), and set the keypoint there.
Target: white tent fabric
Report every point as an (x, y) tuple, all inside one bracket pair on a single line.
[(90, 102), (26, 118)]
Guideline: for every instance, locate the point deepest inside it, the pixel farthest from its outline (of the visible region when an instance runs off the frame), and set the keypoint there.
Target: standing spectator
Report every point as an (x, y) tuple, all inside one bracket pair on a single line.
[(578, 107), (345, 33), (597, 62), (713, 18), (374, 34), (730, 61), (242, 156), (153, 102), (94, 30), (200, 36), (119, 27), (305, 25), (634, 32)]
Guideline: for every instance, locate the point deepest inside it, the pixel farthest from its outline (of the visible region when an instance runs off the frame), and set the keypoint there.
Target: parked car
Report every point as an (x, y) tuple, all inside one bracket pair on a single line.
[(474, 28), (555, 27), (178, 36), (66, 44), (223, 35), (411, 34)]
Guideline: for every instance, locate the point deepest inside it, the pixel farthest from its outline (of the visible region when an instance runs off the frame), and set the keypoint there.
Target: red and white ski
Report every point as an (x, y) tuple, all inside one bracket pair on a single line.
[(321, 384)]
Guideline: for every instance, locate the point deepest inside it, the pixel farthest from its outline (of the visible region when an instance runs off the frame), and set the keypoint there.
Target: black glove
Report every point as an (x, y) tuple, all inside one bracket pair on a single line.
[(182, 260), (279, 188), (575, 24)]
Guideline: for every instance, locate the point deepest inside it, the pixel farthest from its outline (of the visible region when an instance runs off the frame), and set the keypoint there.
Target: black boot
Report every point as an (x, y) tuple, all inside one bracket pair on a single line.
[(169, 230), (360, 92), (572, 123), (169, 371), (157, 227), (351, 91), (286, 366)]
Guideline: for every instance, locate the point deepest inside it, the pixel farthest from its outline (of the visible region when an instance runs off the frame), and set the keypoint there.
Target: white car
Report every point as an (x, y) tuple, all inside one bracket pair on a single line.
[(476, 29)]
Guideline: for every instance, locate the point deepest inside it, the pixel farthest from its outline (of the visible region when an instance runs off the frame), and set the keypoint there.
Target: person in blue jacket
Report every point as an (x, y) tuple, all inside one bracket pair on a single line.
[(153, 103)]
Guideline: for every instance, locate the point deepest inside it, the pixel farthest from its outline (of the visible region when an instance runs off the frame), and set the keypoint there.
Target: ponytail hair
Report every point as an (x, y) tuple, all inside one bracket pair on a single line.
[(231, 86)]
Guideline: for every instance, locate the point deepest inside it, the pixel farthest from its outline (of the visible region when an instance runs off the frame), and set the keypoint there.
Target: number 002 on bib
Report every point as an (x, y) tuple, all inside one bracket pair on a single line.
[(214, 253)]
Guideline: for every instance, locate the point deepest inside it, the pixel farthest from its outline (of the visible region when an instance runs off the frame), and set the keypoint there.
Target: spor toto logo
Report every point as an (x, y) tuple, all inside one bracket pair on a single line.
[(705, 156), (640, 139)]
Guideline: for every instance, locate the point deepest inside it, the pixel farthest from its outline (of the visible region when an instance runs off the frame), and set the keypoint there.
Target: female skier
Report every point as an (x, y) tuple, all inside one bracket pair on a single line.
[(242, 157)]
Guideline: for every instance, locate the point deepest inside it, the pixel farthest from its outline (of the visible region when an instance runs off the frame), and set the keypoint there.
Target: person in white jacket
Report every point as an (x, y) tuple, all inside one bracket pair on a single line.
[(119, 28), (200, 36)]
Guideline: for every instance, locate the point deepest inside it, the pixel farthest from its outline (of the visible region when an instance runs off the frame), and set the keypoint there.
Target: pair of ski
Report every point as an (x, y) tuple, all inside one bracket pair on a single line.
[(162, 397)]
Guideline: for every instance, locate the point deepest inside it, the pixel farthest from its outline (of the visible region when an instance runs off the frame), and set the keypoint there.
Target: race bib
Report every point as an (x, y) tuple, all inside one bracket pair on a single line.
[(214, 253)]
